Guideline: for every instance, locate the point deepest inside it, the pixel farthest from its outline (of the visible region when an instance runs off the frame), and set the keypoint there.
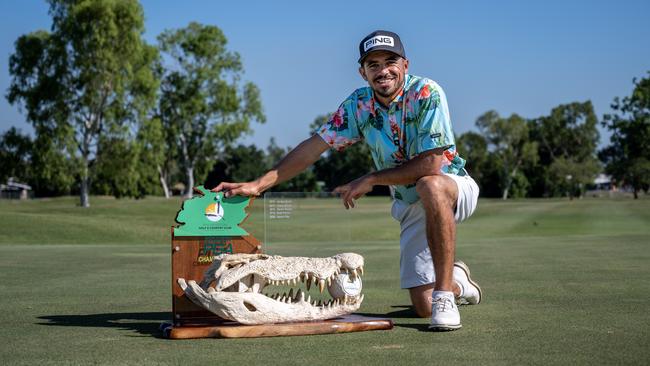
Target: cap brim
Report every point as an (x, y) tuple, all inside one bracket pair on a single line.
[(379, 48)]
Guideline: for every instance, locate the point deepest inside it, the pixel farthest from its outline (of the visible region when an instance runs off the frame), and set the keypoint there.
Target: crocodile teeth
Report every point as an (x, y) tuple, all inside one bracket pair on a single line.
[(361, 270), (353, 274), (321, 285), (258, 283)]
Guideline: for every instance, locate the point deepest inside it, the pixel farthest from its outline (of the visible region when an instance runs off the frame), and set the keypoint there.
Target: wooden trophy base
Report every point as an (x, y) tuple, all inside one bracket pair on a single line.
[(345, 324)]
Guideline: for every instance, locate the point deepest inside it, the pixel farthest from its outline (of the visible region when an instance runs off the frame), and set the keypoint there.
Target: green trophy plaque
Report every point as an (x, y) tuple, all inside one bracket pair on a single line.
[(211, 214), (208, 225)]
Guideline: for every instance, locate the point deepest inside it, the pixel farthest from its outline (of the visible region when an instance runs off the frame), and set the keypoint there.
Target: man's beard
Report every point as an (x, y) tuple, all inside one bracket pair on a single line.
[(390, 90), (385, 94)]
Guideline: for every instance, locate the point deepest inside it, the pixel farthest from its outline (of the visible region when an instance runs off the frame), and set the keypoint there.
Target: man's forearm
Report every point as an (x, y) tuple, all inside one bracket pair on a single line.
[(427, 163), (296, 161)]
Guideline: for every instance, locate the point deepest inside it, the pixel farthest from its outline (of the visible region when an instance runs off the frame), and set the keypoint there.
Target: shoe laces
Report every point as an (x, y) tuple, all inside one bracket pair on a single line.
[(442, 303)]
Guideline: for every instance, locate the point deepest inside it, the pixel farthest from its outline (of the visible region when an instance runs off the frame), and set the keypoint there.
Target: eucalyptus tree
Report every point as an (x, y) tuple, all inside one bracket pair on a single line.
[(509, 142), (473, 147), (628, 155), (15, 151), (567, 138), (204, 106), (90, 74)]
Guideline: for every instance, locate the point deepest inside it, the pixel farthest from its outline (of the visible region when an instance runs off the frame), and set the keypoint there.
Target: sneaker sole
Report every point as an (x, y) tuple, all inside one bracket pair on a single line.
[(463, 266), (444, 327)]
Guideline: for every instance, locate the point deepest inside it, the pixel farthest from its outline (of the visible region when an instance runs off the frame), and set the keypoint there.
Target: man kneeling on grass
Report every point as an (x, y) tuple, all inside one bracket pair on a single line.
[(405, 121)]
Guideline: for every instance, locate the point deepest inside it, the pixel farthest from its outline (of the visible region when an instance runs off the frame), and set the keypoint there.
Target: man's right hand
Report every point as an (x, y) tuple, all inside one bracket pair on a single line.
[(238, 189)]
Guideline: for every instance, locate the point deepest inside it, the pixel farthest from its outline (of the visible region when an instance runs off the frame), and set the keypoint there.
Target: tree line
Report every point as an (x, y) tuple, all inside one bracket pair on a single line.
[(113, 115), (557, 154)]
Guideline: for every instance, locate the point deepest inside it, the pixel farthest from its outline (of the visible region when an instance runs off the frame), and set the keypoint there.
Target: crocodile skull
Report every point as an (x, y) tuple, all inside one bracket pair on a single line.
[(240, 278)]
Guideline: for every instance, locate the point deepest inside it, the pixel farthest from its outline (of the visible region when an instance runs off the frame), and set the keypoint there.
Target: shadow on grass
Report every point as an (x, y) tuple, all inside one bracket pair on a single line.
[(149, 323), (143, 323), (403, 312)]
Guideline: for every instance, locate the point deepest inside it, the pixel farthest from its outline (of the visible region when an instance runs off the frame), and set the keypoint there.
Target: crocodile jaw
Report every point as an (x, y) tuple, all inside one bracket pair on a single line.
[(256, 308), (240, 279)]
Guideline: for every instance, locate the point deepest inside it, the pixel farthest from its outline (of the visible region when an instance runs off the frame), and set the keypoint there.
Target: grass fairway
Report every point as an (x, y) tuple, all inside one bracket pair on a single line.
[(565, 282)]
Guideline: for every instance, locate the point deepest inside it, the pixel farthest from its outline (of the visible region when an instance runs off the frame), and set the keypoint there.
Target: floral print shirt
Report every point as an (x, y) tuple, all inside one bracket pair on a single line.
[(417, 120)]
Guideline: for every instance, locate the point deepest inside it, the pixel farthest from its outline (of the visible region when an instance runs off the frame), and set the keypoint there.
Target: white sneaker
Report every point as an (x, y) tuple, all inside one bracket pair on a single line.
[(470, 291), (444, 312)]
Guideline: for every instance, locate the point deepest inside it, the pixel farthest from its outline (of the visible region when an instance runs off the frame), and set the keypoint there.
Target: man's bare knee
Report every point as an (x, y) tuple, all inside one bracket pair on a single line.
[(437, 188)]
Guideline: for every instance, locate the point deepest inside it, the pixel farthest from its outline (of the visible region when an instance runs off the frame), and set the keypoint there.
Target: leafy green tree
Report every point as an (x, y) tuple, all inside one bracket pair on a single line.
[(567, 149), (237, 164), (15, 152), (473, 147), (508, 139), (115, 168), (202, 104), (273, 153), (155, 157), (126, 164), (52, 172), (244, 163), (337, 168), (306, 181), (93, 70), (627, 158), (570, 178)]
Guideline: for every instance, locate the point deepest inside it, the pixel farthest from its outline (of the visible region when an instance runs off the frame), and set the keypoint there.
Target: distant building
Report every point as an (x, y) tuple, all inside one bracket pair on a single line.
[(603, 182), (15, 190)]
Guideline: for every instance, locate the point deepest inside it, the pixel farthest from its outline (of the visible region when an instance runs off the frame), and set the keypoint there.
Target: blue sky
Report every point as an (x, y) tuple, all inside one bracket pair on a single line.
[(512, 56)]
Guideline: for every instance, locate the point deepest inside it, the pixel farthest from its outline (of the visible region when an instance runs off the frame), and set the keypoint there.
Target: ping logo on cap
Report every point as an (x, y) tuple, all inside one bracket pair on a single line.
[(378, 41)]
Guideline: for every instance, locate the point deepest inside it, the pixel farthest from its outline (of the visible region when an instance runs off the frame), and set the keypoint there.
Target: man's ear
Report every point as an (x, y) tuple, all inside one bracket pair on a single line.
[(362, 72), (406, 65)]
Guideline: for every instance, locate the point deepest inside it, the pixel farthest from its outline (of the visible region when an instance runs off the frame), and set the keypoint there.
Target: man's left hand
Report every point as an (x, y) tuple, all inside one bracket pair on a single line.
[(354, 190)]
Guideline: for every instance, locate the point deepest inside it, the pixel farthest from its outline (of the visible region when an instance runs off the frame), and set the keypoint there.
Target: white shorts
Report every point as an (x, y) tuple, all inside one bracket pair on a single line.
[(416, 264)]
